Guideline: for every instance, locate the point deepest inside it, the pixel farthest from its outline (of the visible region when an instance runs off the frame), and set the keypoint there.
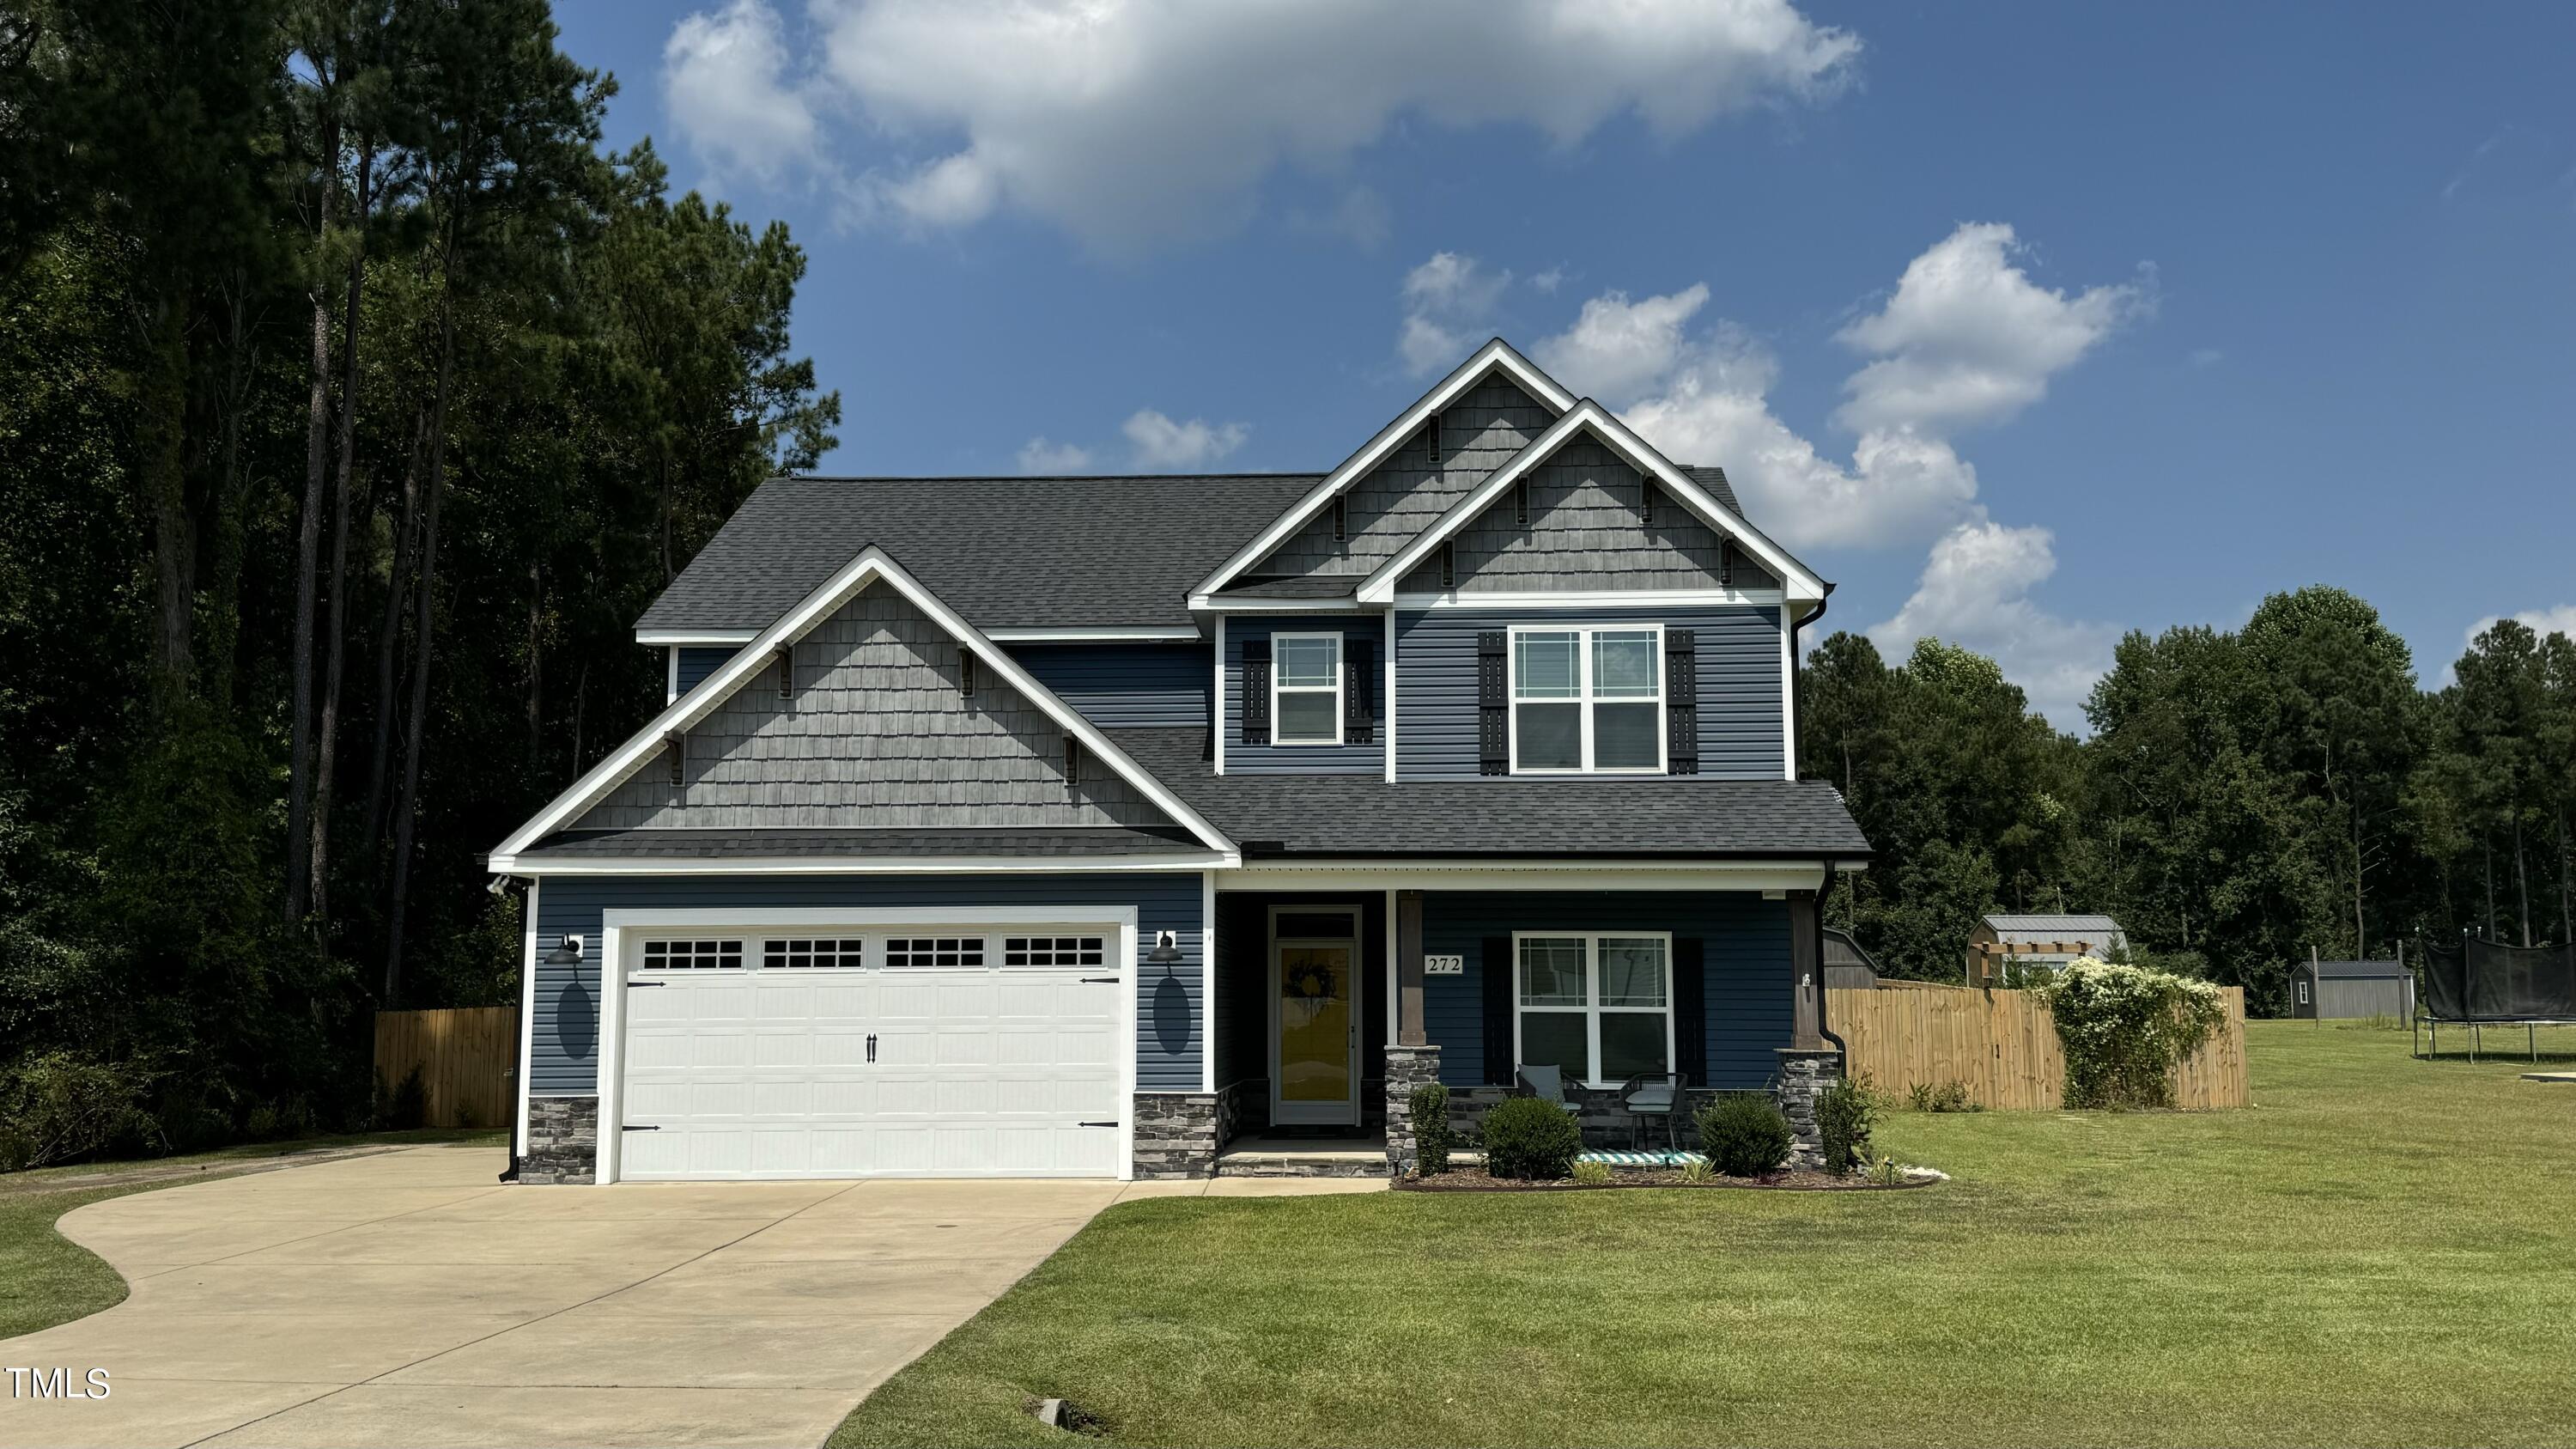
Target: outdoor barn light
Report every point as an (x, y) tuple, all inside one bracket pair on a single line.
[(567, 954), (1167, 950)]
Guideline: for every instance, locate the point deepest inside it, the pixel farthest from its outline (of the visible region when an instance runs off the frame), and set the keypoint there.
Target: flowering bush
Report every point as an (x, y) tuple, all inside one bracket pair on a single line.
[(2125, 1028)]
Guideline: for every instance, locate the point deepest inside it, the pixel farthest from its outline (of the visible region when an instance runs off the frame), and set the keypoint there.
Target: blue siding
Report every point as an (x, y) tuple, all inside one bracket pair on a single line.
[(697, 662), (1740, 710), (1746, 944), (1119, 686), (564, 1057), (1243, 759)]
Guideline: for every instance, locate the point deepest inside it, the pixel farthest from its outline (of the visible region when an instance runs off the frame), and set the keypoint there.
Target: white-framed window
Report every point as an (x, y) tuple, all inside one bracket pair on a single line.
[(1598, 1005), (1587, 699), (2303, 993), (1306, 689), (692, 955), (806, 954)]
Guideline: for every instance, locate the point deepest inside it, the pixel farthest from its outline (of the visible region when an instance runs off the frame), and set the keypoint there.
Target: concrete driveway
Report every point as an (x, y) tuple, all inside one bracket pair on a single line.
[(408, 1299)]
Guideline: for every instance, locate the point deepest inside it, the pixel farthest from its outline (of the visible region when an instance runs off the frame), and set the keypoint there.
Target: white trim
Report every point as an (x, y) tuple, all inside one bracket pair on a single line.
[(612, 966), (870, 565), (1589, 416), (1216, 700), (1141, 634), (1594, 599), (527, 1019), (695, 636), (1495, 356), (1551, 875), (1389, 696), (1339, 604), (1583, 698), (1207, 981), (1788, 697), (1278, 739), (1394, 981), (858, 864), (671, 678), (1592, 1007), (1309, 1114)]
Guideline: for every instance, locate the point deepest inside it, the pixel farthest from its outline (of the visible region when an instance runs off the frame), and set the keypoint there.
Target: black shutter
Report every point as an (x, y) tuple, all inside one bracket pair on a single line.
[(1496, 963), (1493, 702), (1256, 691), (1681, 701), (1690, 1012), (1359, 692)]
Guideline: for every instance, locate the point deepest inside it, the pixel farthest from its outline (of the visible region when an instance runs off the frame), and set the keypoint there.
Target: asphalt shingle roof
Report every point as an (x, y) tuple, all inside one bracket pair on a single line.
[(1362, 815), (979, 841), (1029, 553), (2051, 926), (2372, 970)]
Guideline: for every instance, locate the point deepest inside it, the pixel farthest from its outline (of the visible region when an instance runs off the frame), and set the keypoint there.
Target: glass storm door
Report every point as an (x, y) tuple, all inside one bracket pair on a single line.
[(1314, 981)]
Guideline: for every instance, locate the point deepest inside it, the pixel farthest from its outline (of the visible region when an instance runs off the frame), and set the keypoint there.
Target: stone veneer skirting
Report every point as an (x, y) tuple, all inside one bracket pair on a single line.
[(1606, 1124), (1177, 1133), (563, 1140), (1803, 1077), (1407, 1067)]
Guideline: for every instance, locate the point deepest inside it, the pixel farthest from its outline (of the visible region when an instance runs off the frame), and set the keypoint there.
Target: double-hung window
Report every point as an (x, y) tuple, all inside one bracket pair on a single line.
[(1599, 1006), (1306, 689), (1588, 699)]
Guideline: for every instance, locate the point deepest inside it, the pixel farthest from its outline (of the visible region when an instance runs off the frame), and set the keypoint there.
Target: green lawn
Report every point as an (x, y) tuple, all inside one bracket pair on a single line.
[(2381, 1251), (46, 1278)]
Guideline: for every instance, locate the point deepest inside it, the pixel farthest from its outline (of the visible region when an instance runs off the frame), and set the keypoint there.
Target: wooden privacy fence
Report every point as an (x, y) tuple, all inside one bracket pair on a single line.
[(465, 1055), (2002, 1046)]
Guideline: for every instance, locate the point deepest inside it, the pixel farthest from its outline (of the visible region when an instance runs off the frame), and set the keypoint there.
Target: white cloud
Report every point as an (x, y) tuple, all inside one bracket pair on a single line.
[(1969, 338), (1617, 347), (1449, 309), (1975, 592), (1163, 443), (1548, 281), (1134, 123), (726, 75), (1038, 455)]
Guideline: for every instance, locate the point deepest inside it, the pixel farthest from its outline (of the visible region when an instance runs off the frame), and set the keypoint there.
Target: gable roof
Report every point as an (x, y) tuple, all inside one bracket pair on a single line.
[(1007, 553), (2053, 926), (2362, 970), (871, 565), (1495, 356), (1589, 417)]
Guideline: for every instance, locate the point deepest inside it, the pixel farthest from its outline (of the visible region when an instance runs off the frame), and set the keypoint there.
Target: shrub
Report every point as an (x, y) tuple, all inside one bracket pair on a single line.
[(1945, 1097), (1525, 1137), (1696, 1170), (1592, 1174), (1744, 1134), (2125, 1028), (1431, 1141), (58, 1107), (1844, 1112)]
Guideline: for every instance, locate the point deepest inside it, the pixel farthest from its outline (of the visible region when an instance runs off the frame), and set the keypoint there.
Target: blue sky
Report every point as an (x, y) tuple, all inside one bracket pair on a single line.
[(2026, 324)]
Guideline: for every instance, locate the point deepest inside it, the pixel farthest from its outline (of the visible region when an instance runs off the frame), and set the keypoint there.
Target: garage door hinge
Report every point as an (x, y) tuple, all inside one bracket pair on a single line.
[(1095, 1124), (1100, 980), (633, 985), (632, 1128)]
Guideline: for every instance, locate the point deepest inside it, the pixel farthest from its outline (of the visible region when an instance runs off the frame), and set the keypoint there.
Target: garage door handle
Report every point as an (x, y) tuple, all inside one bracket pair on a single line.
[(1095, 1124), (872, 1046), (631, 1128)]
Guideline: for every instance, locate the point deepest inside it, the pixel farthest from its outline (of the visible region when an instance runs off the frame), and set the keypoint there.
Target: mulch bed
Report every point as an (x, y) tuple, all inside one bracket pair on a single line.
[(1473, 1179)]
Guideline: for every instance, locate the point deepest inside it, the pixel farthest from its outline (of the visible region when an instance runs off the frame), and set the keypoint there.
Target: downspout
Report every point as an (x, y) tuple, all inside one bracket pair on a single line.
[(1824, 1028)]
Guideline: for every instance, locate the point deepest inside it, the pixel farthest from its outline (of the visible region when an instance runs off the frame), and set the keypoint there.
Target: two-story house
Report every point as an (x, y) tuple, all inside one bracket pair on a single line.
[(1078, 826)]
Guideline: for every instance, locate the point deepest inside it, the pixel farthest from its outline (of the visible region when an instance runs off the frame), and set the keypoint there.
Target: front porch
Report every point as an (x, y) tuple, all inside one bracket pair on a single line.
[(1327, 1007)]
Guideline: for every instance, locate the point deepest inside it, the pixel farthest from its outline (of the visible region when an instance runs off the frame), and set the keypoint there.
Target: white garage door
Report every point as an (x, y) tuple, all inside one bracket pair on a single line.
[(923, 1052)]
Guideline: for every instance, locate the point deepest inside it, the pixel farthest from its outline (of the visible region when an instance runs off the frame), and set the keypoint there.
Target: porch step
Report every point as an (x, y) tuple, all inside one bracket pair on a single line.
[(1303, 1157)]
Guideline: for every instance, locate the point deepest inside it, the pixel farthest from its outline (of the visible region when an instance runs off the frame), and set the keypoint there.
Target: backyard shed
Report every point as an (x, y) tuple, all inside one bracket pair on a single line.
[(1847, 966), (2343, 990), (2052, 941)]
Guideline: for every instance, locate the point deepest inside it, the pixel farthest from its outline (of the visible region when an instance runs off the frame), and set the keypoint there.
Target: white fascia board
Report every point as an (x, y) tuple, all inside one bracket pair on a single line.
[(872, 563), (1141, 634), (1590, 417), (1593, 599), (735, 637), (1495, 356), (862, 864)]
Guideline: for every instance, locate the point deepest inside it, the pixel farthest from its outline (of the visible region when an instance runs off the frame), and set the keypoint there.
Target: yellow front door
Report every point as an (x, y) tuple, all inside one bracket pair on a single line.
[(1315, 986)]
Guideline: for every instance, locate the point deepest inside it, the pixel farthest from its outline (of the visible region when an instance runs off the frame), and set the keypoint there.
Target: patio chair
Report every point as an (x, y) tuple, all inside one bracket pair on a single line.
[(1653, 1094), (1548, 1085)]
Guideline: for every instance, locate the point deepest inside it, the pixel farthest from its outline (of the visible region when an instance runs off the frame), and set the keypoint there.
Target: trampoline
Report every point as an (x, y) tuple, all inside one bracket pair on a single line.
[(2478, 984)]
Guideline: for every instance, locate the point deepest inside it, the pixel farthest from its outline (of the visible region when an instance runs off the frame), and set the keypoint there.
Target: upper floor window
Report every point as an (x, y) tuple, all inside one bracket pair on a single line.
[(1306, 689), (1587, 699)]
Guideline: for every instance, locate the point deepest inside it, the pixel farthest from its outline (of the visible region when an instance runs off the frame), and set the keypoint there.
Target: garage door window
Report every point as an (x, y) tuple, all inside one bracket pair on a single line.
[(810, 955), (1050, 951), (935, 952), (693, 955)]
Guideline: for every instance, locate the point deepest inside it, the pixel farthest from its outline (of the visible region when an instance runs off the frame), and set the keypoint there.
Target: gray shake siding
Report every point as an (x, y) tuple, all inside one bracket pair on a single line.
[(1745, 981), (1243, 759), (1122, 686), (1586, 531), (876, 732), (564, 1050), (1406, 492), (699, 661), (1740, 711)]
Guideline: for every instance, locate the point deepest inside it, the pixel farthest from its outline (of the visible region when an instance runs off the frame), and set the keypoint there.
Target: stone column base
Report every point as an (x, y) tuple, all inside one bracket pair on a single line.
[(563, 1141), (1177, 1134), (1804, 1074), (1407, 1067)]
